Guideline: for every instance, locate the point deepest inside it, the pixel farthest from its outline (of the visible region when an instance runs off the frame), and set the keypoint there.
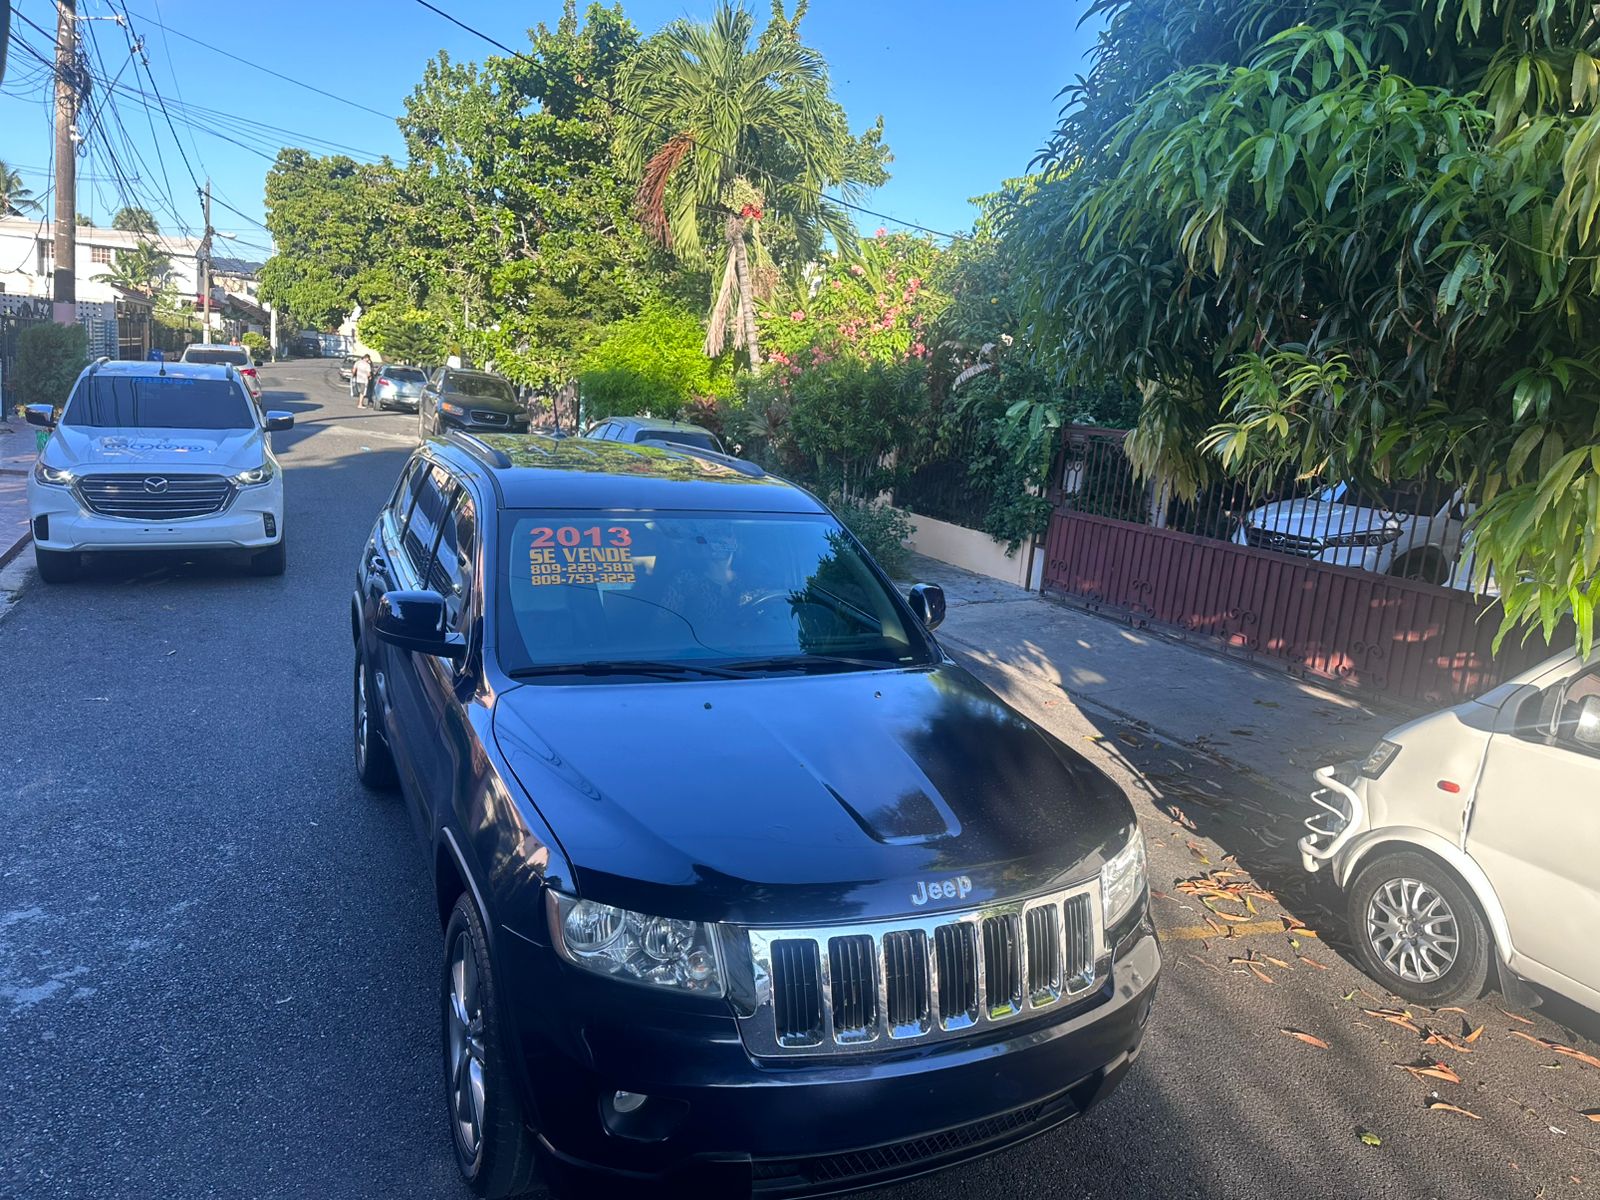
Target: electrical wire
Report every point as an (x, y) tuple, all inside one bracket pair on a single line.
[(618, 106), (267, 70)]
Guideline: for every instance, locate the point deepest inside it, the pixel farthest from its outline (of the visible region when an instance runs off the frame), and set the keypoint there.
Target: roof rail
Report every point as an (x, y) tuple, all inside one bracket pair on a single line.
[(479, 448), (742, 465)]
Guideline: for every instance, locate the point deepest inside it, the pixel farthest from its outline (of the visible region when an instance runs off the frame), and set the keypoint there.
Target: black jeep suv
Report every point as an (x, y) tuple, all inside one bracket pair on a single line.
[(745, 885), (455, 398)]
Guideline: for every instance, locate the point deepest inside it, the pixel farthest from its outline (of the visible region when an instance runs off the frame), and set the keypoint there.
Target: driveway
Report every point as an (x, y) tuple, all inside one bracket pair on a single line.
[(218, 953)]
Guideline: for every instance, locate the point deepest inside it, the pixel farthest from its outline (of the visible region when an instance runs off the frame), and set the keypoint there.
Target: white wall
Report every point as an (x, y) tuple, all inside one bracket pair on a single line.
[(970, 549)]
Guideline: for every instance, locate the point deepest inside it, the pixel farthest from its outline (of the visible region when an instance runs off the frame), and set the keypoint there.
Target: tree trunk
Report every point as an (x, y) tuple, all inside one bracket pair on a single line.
[(747, 301)]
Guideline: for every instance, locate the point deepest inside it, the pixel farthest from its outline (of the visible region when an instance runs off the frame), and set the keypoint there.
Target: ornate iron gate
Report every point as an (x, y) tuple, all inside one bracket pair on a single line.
[(1120, 548)]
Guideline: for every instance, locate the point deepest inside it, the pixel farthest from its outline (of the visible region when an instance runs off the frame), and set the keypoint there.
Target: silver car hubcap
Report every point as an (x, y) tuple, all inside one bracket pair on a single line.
[(1412, 930), (464, 1038), (361, 715)]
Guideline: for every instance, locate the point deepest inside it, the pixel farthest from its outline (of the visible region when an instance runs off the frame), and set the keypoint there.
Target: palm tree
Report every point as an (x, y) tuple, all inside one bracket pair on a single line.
[(719, 130), (143, 269), (16, 198)]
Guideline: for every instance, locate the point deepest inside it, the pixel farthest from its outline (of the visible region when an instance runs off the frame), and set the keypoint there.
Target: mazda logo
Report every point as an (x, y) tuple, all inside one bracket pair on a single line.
[(1276, 539), (155, 484)]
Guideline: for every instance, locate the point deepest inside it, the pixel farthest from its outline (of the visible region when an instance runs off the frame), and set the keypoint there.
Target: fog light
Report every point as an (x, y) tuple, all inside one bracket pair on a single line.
[(268, 520), (41, 528), (627, 1102)]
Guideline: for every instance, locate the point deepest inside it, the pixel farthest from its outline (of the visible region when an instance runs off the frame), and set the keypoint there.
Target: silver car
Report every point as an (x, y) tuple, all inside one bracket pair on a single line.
[(1470, 839)]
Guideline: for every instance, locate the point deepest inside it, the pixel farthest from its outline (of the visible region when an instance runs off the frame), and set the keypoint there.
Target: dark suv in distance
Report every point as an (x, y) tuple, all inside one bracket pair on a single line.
[(455, 398), (745, 885)]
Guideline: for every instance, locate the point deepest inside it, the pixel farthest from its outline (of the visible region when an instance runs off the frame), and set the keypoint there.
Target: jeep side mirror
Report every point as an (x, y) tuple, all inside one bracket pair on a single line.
[(927, 601), (278, 421), (416, 621), (1586, 729), (41, 415)]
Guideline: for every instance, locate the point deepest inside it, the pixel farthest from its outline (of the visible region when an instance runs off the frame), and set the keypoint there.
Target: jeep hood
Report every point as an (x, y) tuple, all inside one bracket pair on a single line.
[(809, 798), (205, 450)]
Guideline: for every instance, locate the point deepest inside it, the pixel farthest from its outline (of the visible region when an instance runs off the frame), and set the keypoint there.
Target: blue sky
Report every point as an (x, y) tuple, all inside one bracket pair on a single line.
[(967, 91)]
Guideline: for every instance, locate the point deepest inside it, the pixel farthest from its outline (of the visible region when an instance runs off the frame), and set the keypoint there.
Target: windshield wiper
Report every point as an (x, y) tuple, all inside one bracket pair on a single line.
[(813, 662), (638, 666)]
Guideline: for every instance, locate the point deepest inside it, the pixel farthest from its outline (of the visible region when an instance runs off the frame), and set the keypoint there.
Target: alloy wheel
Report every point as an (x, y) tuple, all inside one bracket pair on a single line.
[(464, 1046), (1412, 930)]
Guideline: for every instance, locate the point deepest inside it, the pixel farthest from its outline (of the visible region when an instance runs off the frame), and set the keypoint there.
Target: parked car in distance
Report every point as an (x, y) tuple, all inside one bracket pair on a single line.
[(1409, 528), (156, 456), (308, 347), (744, 883), (1467, 840), (456, 398), (398, 387), (347, 364), (237, 357), (650, 429)]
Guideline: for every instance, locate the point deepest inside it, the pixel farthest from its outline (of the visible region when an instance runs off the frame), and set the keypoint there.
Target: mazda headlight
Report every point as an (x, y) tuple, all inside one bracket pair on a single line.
[(254, 477), (664, 951), (52, 476), (1377, 762), (1380, 536), (1122, 880)]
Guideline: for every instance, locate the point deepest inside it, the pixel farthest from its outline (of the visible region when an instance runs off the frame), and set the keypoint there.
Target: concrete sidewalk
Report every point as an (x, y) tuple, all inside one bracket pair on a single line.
[(1258, 720), (17, 454)]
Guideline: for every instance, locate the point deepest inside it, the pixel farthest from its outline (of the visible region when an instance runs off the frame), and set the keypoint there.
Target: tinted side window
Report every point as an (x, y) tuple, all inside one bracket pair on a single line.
[(404, 493), (434, 492)]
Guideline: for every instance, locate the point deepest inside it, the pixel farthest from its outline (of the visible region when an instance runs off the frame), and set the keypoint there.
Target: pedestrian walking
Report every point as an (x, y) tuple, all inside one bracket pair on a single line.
[(361, 379)]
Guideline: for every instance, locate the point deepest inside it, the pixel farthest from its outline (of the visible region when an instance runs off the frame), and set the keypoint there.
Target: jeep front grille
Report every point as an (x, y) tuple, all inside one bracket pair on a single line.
[(872, 986)]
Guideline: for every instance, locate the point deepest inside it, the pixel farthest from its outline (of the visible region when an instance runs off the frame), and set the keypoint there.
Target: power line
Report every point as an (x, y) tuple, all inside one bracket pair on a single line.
[(171, 70), (144, 61), (268, 70), (215, 199), (620, 107)]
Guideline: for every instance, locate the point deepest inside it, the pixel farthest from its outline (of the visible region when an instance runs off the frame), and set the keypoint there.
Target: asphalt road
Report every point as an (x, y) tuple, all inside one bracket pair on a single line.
[(218, 953)]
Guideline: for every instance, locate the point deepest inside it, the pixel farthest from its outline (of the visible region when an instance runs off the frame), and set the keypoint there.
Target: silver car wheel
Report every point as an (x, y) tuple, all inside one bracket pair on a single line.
[(362, 731), (464, 1022), (1412, 930)]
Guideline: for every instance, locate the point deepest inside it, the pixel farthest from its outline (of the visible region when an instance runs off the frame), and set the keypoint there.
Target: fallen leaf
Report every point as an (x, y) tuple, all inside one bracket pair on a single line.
[(1178, 817), (1208, 965), (1438, 1070), (1130, 739), (1269, 704), (1462, 1011), (1436, 1038), (1259, 973), (1394, 1017), (1514, 1017), (1370, 1138), (1474, 1035), (1592, 1114), (1311, 962), (1445, 1106), (1277, 962), (1309, 1040), (1350, 995), (1570, 1052)]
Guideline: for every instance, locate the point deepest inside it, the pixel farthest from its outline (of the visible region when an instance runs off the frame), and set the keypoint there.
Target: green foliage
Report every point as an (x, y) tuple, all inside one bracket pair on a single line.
[(134, 220), (651, 363), (1346, 240), (145, 269), (403, 335), (260, 349), (883, 530), (16, 198), (874, 306), (49, 360)]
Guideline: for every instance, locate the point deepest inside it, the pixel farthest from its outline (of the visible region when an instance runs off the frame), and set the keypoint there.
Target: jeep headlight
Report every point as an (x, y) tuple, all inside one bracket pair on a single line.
[(663, 951), (255, 476), (1378, 759), (1122, 880), (52, 476)]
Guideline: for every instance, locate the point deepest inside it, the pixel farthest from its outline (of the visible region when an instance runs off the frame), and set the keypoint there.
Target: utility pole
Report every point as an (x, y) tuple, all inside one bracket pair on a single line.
[(204, 263), (63, 288)]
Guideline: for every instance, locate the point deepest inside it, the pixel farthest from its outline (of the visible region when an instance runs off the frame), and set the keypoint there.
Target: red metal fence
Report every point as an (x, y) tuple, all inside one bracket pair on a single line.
[(1376, 633)]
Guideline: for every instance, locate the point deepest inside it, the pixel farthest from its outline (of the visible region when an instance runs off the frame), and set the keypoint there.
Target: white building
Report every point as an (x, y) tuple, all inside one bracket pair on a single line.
[(27, 264)]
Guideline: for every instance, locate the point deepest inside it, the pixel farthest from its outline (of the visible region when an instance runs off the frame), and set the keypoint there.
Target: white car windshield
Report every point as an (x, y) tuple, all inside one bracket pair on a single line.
[(158, 402), (223, 355)]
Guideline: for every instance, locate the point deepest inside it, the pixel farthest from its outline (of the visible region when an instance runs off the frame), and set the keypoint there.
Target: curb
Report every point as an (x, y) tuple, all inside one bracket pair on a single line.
[(7, 555)]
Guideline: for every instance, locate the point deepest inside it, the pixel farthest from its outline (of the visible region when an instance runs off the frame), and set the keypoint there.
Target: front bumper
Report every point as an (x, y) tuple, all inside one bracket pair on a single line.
[(1343, 815), (242, 525), (720, 1123)]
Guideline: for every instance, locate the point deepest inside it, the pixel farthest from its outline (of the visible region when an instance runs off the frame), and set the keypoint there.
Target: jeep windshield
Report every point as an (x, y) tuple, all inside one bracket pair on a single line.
[(158, 402), (593, 593)]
